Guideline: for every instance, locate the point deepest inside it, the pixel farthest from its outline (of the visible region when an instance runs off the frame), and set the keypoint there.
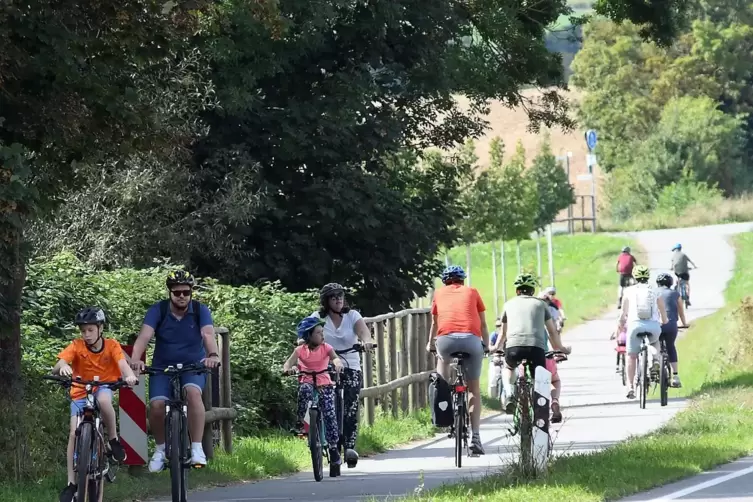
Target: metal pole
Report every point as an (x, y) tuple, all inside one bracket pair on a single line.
[(538, 255), (504, 271), (593, 202), (494, 276), (550, 252), (468, 262), (446, 259), (570, 222), (517, 243)]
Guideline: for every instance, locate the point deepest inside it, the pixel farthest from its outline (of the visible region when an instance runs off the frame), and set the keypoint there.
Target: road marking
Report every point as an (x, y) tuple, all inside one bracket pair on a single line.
[(704, 485)]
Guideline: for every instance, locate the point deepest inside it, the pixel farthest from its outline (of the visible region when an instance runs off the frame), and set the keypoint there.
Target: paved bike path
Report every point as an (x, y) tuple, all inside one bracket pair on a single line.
[(596, 412)]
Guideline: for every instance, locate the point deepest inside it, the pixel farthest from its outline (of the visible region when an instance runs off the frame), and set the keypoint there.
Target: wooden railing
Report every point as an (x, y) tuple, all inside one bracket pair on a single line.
[(224, 413), (397, 382)]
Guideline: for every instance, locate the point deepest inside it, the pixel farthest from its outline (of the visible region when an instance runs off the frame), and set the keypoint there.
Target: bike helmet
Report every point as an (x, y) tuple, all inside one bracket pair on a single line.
[(331, 289), (525, 281), (550, 291), (678, 247), (641, 272), (664, 279), (453, 272), (90, 315), (179, 277), (626, 249), (307, 325)]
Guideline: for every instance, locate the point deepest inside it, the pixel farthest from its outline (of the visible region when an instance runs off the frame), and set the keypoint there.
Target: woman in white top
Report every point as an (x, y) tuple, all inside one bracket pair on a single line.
[(344, 328), (633, 300)]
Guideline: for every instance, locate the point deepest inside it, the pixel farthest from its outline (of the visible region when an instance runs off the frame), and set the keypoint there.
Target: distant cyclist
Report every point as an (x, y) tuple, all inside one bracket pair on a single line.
[(624, 267), (459, 325), (643, 311), (680, 267), (675, 310), (555, 307), (527, 325)]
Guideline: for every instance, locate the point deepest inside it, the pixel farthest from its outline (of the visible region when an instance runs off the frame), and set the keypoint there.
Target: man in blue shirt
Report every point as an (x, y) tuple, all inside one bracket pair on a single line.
[(185, 335)]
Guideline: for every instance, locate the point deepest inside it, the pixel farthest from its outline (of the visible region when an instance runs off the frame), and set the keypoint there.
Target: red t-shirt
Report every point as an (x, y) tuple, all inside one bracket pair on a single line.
[(457, 308), (625, 263)]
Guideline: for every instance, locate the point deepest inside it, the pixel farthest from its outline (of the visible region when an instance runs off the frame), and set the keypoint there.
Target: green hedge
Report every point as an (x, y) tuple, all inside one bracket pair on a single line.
[(261, 320)]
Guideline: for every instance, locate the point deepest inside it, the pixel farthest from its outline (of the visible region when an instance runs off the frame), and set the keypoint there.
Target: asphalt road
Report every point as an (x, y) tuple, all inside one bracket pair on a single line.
[(596, 412)]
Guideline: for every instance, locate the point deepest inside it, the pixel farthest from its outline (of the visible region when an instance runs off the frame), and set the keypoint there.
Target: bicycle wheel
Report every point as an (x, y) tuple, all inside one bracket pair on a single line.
[(459, 430), (643, 377), (85, 436), (666, 373), (623, 370), (526, 426), (176, 451), (315, 444)]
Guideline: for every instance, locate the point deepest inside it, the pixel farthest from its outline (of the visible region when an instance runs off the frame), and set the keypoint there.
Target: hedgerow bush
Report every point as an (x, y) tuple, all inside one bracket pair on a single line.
[(261, 321)]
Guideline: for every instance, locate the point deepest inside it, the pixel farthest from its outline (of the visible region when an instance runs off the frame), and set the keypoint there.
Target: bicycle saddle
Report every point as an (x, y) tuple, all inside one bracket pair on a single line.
[(460, 355), (643, 335)]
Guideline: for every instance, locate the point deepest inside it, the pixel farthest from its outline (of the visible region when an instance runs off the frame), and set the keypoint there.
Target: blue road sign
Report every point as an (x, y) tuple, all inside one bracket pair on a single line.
[(591, 139)]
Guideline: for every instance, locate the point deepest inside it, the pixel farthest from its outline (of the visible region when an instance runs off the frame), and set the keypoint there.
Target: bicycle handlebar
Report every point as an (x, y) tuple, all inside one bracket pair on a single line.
[(358, 347), (552, 354), (71, 381), (177, 369)]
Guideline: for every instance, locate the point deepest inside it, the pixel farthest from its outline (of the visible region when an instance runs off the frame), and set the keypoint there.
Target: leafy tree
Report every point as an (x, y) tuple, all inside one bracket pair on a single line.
[(553, 191)]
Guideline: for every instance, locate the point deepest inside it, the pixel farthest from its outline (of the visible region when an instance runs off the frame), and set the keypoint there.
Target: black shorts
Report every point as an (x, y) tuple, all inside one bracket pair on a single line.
[(626, 280), (684, 277), (536, 356)]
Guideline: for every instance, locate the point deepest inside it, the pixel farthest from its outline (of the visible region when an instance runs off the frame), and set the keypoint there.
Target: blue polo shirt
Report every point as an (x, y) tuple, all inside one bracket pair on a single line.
[(178, 341)]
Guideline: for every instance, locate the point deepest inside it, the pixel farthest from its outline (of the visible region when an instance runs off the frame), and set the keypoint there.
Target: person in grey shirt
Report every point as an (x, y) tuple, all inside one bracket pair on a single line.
[(680, 267)]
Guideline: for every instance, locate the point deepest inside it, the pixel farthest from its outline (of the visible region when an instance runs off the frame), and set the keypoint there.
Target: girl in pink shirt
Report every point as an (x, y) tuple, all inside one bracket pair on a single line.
[(313, 356)]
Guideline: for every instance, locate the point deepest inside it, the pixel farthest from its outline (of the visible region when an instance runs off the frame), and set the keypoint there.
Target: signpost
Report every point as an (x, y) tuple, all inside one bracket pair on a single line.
[(591, 162)]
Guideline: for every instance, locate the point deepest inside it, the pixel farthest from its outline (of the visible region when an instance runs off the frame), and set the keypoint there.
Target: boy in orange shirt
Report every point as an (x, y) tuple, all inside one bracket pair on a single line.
[(88, 357)]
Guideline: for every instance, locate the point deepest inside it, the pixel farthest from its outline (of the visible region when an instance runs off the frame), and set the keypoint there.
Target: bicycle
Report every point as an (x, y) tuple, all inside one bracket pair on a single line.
[(462, 417), (92, 460), (351, 457), (665, 373), (524, 416), (643, 375), (317, 437), (621, 367), (177, 436)]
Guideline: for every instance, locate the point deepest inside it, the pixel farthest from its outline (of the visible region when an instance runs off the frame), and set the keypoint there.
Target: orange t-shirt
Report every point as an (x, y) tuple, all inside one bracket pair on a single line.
[(88, 364), (457, 308)]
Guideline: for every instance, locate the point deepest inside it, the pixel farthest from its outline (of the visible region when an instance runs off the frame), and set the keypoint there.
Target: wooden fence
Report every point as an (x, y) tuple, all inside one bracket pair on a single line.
[(397, 382), (224, 413)]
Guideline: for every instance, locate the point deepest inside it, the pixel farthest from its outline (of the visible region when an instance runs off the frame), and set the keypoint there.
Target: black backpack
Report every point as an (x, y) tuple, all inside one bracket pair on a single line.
[(164, 305), (440, 401)]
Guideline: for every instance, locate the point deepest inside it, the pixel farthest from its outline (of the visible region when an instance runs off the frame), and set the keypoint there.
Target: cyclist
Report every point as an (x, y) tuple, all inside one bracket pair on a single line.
[(344, 328), (643, 311), (458, 324), (555, 307), (675, 310), (315, 355), (624, 267), (90, 356), (184, 335), (526, 320), (680, 267), (621, 337)]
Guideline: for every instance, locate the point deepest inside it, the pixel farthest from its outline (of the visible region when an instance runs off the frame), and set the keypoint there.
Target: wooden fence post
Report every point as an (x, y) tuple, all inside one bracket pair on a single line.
[(225, 389), (381, 363), (393, 362), (413, 348), (404, 364), (422, 390), (208, 439), (368, 381)]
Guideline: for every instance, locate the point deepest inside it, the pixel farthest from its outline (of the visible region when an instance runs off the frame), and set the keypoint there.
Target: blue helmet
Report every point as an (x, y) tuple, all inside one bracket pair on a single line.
[(677, 246), (453, 271), (306, 326)]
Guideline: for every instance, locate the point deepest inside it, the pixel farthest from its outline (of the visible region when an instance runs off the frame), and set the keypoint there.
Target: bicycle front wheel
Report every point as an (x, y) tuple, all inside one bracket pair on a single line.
[(622, 369), (459, 431), (315, 445), (643, 378), (176, 451), (526, 427), (85, 438), (664, 379)]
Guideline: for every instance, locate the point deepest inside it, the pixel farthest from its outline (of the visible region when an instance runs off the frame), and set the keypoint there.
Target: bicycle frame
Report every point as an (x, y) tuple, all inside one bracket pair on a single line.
[(459, 391)]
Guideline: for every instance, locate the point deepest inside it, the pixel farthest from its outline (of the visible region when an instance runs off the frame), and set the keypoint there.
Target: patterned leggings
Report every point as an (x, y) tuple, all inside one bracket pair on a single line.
[(352, 381), (326, 407)]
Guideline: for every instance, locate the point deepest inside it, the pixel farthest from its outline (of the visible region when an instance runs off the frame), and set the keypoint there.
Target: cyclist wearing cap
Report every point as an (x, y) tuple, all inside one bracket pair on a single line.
[(526, 321), (680, 267), (184, 333), (555, 307), (458, 324), (344, 328), (675, 311), (641, 297), (624, 267)]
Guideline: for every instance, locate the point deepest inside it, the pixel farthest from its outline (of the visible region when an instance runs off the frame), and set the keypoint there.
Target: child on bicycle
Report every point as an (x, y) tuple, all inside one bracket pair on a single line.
[(621, 337), (88, 357), (312, 356)]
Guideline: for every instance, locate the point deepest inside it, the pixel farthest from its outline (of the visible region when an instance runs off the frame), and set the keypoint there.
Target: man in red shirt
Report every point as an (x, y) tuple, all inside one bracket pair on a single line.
[(625, 264), (458, 324)]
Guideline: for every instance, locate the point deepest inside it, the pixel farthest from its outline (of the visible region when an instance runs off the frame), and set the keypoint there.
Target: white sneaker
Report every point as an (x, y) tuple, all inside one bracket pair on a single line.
[(197, 456), (157, 462)]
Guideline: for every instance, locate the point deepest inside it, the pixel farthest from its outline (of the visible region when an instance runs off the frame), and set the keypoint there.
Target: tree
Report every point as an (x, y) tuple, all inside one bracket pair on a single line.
[(553, 191)]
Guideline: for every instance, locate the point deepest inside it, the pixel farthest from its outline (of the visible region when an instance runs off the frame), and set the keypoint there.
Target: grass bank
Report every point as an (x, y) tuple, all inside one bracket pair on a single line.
[(735, 210), (252, 458), (716, 361)]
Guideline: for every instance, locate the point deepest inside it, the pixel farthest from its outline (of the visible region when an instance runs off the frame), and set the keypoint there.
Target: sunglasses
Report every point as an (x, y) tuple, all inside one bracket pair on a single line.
[(182, 292)]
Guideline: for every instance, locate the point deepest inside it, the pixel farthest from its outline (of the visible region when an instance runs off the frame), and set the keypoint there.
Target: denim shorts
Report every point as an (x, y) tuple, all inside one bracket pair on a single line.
[(159, 385), (77, 406)]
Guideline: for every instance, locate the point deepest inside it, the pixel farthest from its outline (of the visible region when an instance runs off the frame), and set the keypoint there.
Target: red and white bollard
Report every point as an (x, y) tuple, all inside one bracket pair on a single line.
[(133, 418)]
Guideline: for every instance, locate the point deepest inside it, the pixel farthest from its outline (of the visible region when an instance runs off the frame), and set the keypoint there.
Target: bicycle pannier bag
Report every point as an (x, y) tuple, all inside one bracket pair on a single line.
[(440, 401), (644, 301)]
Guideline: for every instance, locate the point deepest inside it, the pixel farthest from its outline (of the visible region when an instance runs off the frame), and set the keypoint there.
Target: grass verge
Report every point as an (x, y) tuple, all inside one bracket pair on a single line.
[(252, 458), (717, 367), (738, 209)]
